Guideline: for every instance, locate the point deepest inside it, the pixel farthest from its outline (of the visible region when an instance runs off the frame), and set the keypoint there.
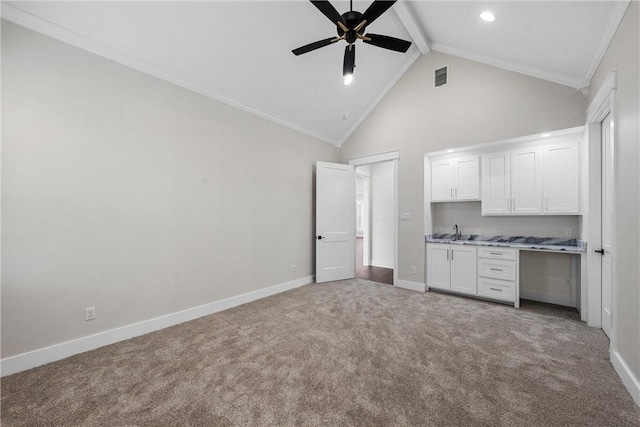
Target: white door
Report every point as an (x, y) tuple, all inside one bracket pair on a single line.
[(335, 221), (526, 181), (496, 184), (608, 165), (463, 270)]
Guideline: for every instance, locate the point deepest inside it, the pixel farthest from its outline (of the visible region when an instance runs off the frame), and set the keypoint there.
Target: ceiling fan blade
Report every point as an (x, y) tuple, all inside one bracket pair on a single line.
[(387, 42), (329, 11), (349, 59), (374, 11), (315, 45)]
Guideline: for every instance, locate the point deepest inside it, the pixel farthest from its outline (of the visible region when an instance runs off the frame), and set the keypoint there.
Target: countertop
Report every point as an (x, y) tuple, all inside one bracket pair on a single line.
[(548, 244)]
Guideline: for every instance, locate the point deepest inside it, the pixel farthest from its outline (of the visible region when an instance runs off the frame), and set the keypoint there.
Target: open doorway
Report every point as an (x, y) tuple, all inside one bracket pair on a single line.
[(375, 227)]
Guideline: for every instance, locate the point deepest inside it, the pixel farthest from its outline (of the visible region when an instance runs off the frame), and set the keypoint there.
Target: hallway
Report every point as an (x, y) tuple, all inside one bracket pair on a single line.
[(375, 274)]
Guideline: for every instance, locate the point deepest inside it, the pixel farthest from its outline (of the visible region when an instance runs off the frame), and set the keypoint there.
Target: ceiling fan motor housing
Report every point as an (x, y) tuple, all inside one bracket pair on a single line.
[(352, 18)]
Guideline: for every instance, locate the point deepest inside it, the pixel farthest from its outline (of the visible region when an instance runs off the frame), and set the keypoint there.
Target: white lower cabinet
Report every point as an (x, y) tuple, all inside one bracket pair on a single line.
[(498, 274), (452, 268), (484, 272)]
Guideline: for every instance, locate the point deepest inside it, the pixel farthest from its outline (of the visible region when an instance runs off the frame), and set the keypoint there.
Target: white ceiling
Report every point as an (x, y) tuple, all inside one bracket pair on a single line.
[(239, 52)]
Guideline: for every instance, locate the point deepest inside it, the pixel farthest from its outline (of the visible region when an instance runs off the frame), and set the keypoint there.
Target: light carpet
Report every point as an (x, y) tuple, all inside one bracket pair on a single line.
[(343, 353)]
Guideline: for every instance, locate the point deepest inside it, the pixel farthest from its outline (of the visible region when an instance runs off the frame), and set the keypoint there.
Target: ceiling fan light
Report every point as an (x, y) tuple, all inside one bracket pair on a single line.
[(487, 16), (348, 78)]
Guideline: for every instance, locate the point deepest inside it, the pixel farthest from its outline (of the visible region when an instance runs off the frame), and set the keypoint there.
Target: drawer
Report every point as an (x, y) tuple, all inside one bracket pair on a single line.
[(497, 253), (497, 269), (497, 289)]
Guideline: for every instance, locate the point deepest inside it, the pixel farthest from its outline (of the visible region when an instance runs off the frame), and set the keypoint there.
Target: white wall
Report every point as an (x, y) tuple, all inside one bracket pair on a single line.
[(623, 55), (480, 104), (382, 214), (138, 197)]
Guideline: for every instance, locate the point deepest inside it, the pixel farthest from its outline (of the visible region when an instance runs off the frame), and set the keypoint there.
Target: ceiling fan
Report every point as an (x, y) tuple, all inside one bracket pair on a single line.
[(350, 26)]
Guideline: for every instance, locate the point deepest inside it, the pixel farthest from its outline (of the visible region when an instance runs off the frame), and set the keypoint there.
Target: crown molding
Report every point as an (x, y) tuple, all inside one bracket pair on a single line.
[(559, 78), (614, 23), (18, 16)]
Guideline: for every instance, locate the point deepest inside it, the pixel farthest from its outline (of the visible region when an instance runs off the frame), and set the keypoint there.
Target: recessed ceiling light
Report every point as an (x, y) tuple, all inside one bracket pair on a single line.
[(487, 16), (348, 79), (544, 135)]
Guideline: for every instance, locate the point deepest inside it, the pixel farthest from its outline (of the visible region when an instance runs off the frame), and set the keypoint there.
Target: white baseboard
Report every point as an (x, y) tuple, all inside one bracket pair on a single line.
[(551, 299), (414, 286), (24, 361), (624, 372)]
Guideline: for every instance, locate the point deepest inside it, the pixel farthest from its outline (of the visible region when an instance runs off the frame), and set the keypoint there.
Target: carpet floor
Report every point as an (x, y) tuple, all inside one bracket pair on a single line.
[(343, 353)]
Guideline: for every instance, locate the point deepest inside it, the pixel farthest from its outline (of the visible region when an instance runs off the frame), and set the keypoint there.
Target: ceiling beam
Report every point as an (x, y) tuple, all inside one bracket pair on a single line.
[(412, 28)]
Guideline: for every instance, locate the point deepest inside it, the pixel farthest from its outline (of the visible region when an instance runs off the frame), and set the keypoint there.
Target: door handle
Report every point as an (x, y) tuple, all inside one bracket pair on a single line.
[(599, 251), (320, 237)]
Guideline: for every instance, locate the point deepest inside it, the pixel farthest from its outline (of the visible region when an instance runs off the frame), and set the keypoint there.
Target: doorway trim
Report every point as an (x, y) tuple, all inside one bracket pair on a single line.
[(393, 156), (603, 104)]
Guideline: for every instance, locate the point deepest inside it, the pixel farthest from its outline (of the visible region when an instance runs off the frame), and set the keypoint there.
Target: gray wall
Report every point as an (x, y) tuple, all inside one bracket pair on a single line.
[(623, 55), (138, 197), (480, 104)]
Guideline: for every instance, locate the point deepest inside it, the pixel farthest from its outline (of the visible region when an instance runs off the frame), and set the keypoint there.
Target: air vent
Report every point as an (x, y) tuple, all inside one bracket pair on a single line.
[(440, 76)]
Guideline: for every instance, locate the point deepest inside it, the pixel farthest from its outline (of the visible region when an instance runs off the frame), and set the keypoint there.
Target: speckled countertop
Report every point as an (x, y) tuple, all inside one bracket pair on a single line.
[(556, 244)]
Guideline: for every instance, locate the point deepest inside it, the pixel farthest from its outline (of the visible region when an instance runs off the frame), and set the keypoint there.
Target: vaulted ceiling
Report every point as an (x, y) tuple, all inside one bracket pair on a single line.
[(239, 52)]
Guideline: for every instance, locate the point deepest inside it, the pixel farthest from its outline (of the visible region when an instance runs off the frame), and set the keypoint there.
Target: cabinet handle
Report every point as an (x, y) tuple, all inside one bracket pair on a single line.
[(513, 205), (496, 253), (456, 193), (451, 191), (495, 269), (496, 289), (451, 254), (447, 254)]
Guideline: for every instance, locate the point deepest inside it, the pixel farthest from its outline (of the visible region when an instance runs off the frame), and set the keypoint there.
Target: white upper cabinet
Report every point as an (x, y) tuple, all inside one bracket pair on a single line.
[(442, 181), (455, 179), (512, 182), (496, 183), (526, 181), (467, 179), (561, 178), (528, 175), (532, 180)]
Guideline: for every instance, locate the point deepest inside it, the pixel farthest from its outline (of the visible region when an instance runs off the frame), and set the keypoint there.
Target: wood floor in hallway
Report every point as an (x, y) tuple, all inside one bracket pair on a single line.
[(376, 274)]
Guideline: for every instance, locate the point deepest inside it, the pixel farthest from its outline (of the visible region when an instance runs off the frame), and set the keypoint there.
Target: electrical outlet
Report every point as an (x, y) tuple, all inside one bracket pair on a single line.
[(293, 267), (413, 270), (568, 232), (89, 313)]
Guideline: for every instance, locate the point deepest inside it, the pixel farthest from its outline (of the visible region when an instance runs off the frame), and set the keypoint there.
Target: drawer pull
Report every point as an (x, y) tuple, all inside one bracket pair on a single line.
[(496, 289), (496, 253), (495, 269)]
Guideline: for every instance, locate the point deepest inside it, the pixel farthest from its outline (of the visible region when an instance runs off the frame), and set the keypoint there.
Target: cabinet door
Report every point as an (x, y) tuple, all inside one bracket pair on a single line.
[(496, 184), (438, 266), (467, 179), (442, 181), (561, 178), (526, 181), (463, 270)]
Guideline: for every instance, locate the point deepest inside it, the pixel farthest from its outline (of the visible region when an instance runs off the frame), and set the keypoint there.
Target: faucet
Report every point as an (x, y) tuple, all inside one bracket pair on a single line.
[(457, 235)]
